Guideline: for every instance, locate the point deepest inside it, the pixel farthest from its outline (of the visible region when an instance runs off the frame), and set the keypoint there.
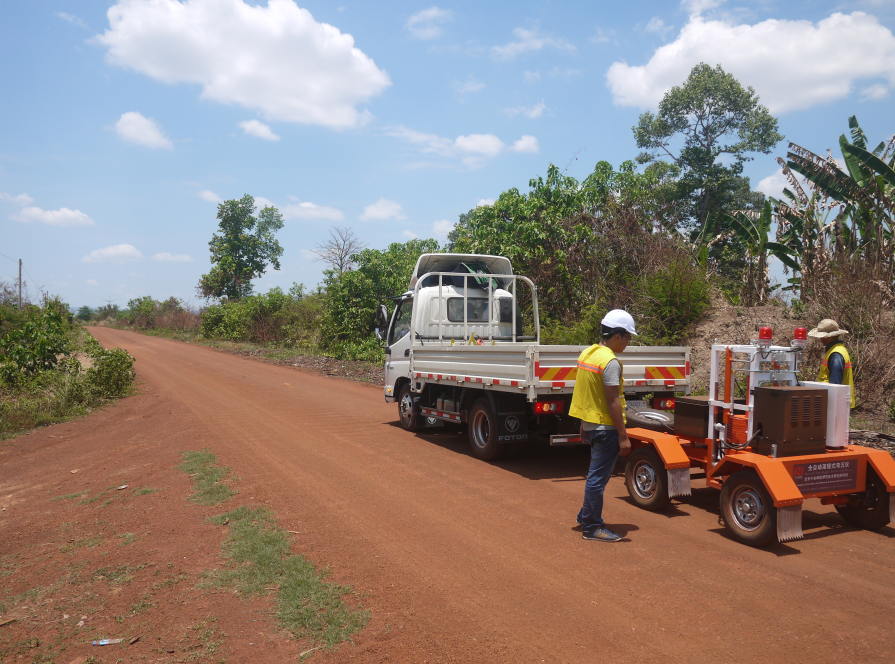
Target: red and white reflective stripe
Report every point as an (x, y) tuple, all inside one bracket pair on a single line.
[(431, 412)]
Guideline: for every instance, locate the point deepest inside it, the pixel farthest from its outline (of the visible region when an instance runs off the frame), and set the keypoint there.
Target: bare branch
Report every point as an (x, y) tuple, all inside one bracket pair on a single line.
[(338, 251)]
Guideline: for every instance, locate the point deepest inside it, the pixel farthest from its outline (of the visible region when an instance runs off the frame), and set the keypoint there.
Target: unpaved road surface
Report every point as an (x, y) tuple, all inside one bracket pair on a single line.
[(460, 560)]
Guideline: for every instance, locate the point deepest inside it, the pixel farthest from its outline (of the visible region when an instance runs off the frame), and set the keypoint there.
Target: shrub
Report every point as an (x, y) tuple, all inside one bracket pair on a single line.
[(112, 373)]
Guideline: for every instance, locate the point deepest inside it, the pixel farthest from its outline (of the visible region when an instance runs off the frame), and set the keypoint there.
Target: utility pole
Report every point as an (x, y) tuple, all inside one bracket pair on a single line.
[(20, 283)]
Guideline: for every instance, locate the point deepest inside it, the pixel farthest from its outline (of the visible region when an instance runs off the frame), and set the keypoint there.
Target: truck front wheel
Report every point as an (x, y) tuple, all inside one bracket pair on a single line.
[(483, 432), (747, 508), (409, 416)]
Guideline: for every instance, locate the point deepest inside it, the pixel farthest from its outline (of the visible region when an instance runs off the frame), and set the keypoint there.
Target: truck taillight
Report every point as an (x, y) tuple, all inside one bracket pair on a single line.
[(663, 403), (549, 407)]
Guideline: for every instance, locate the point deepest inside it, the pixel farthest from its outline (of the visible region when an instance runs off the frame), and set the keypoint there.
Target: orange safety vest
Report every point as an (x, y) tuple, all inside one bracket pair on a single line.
[(589, 398), (823, 376)]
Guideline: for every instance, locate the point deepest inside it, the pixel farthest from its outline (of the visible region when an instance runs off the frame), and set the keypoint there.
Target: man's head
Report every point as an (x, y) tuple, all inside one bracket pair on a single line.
[(827, 331), (616, 330)]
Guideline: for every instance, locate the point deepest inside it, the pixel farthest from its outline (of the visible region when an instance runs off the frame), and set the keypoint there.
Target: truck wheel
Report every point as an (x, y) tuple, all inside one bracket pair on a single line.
[(410, 419), (647, 479), (483, 432), (747, 509), (873, 511)]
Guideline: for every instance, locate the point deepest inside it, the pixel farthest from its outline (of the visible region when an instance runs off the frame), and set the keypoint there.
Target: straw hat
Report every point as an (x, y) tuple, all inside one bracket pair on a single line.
[(827, 328)]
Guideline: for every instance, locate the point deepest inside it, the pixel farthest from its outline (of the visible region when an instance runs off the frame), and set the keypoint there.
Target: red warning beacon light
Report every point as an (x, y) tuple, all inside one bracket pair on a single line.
[(765, 336), (800, 337)]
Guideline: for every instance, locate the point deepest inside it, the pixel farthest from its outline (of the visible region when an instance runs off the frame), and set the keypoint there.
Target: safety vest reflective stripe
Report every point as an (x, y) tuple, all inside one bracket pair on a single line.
[(590, 367)]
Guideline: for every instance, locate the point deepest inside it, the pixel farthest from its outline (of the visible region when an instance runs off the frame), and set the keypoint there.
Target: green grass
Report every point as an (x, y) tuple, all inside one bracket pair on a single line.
[(89, 542), (308, 606), (70, 496), (127, 538), (208, 478), (144, 491)]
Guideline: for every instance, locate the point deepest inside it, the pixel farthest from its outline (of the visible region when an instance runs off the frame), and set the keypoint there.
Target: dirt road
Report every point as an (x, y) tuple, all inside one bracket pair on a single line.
[(464, 561)]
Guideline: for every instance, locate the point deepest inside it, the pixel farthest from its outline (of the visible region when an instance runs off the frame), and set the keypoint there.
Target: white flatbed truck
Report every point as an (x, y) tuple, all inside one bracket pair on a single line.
[(457, 350)]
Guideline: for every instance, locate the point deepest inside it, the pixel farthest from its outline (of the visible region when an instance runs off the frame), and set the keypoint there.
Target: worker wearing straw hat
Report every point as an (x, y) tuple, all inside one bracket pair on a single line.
[(836, 365)]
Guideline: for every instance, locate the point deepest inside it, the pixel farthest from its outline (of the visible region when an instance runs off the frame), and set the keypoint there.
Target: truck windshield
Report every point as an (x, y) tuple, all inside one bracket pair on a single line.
[(401, 325), (476, 309)]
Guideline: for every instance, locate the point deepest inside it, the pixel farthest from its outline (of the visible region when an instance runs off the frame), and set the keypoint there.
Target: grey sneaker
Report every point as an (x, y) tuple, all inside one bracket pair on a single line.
[(602, 535)]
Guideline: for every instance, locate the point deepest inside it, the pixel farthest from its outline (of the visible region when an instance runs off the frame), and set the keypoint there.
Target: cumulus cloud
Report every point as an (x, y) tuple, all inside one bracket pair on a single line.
[(19, 199), (258, 130), (135, 128), (119, 253), (165, 257), (410, 235), (533, 112), (657, 25), (472, 149), (442, 227), (822, 61), (527, 41), (426, 24), (308, 210), (210, 196), (60, 217), (382, 209), (773, 185), (876, 91), (485, 201), (274, 58)]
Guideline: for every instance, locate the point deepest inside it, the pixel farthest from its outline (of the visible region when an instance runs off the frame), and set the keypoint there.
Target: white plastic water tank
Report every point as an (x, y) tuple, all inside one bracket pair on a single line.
[(838, 410)]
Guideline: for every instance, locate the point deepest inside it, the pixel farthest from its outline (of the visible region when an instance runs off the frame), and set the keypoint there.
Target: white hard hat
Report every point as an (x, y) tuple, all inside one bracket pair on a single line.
[(619, 318)]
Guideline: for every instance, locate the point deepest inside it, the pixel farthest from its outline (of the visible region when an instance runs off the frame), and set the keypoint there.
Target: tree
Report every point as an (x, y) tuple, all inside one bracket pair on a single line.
[(339, 250), (84, 313), (242, 250), (711, 115)]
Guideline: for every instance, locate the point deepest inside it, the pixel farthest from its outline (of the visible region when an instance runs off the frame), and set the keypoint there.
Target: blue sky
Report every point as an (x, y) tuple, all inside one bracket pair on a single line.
[(124, 123)]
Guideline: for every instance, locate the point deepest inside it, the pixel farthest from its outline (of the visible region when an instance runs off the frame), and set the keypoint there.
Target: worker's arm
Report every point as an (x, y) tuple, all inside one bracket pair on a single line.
[(614, 402), (836, 367)]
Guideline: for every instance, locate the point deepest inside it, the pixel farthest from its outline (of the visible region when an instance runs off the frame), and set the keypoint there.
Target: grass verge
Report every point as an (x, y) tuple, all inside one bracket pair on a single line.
[(208, 478)]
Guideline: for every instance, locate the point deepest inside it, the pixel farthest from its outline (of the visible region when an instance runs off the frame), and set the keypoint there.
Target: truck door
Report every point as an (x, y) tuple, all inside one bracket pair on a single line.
[(397, 359)]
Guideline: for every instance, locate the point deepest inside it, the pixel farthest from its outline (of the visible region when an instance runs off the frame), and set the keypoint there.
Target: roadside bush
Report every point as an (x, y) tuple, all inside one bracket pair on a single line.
[(112, 373)]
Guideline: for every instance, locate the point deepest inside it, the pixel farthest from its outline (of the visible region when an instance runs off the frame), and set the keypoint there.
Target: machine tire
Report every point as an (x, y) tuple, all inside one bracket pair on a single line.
[(747, 509), (483, 432), (652, 420), (647, 479), (873, 513), (410, 418)]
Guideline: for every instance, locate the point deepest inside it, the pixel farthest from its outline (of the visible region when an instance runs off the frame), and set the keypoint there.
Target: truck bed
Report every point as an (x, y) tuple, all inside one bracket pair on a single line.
[(537, 370)]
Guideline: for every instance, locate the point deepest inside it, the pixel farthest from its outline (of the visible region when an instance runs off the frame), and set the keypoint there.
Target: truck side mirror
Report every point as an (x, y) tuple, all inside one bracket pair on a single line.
[(381, 329)]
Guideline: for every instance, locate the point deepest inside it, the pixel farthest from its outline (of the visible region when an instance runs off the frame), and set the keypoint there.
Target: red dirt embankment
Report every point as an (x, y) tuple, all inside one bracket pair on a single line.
[(457, 560)]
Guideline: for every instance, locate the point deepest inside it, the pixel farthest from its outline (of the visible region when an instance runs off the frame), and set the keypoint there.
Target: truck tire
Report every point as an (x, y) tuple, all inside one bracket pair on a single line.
[(873, 511), (652, 420), (647, 479), (483, 432), (410, 418), (747, 508)]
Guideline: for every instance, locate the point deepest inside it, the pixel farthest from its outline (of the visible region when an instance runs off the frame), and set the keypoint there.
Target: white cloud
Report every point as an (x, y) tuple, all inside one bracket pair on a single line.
[(410, 235), (533, 112), (565, 74), (71, 18), (274, 58), (60, 217), (258, 130), (210, 196), (308, 210), (699, 6), (873, 92), (307, 254), (442, 227), (472, 85), (261, 202), (135, 128), (471, 149), (119, 253), (600, 37), (426, 24), (382, 209), (529, 40), (19, 199), (531, 76), (527, 144), (165, 257), (485, 201), (92, 282), (773, 184), (822, 61), (658, 26)]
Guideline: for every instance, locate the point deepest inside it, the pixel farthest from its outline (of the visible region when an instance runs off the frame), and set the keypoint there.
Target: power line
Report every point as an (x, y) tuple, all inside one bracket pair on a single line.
[(12, 259)]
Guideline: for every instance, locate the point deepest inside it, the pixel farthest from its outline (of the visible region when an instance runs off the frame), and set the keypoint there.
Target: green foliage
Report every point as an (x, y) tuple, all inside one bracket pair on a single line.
[(84, 314), (112, 373), (36, 345), (242, 249)]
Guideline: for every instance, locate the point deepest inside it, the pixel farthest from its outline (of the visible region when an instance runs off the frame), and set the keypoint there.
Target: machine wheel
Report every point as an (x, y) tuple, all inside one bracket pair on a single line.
[(652, 420), (873, 512), (647, 479), (483, 432), (410, 419), (748, 509)]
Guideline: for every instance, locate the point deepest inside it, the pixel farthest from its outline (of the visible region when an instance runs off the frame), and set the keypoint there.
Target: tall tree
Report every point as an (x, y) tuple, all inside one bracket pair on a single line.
[(339, 249), (709, 126), (242, 249)]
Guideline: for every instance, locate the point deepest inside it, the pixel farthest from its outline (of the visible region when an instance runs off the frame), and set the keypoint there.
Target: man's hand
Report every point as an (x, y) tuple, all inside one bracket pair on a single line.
[(624, 443)]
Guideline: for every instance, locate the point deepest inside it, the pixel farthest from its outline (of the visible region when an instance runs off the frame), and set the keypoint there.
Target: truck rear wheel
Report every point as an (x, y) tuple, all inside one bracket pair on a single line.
[(410, 419), (483, 431), (647, 479), (872, 513), (747, 509)]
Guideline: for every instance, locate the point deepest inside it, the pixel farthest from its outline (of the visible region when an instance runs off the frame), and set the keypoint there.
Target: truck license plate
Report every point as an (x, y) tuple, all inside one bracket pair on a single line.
[(635, 403)]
